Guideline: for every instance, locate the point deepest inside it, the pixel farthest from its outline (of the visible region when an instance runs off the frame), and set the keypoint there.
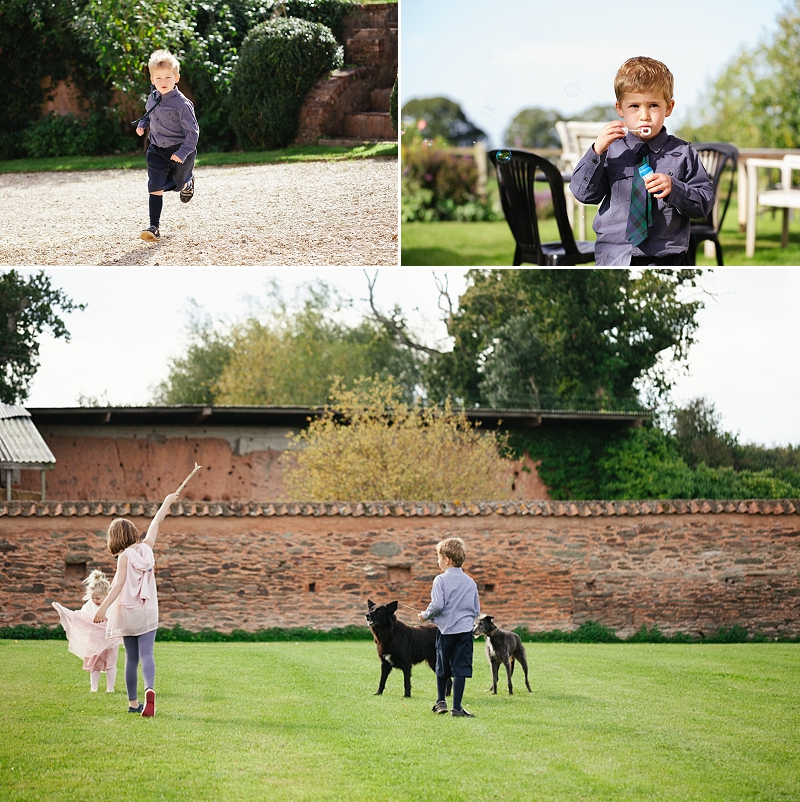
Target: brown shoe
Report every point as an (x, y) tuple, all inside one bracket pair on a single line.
[(150, 234)]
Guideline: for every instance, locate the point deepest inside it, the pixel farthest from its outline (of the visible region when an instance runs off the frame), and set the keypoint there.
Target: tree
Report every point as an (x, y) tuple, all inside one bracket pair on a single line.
[(443, 119), (590, 339), (534, 128), (284, 354), (193, 377), (755, 101), (699, 437), (370, 446), (28, 306)]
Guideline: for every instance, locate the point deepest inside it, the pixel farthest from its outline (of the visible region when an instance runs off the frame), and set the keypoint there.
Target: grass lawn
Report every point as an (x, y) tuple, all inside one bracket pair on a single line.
[(491, 244), (129, 161), (299, 721)]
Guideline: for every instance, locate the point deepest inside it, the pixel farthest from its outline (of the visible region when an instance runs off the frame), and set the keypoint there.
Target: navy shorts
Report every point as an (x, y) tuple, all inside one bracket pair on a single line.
[(454, 654), (163, 173)]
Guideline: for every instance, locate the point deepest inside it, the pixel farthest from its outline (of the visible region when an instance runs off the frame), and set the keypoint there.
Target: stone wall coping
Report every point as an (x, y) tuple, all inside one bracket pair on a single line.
[(400, 509)]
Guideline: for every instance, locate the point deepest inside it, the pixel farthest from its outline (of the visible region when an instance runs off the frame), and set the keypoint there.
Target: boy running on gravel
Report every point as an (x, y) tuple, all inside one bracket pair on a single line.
[(174, 132)]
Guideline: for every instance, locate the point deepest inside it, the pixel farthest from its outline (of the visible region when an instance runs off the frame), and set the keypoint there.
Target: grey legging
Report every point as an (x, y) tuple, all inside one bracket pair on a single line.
[(139, 647)]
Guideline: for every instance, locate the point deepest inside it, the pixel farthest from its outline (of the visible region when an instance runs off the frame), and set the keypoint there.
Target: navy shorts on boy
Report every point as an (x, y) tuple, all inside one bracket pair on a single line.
[(454, 654), (165, 174)]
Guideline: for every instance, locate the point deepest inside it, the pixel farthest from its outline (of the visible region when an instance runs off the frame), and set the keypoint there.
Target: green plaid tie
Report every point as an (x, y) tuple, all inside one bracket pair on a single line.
[(640, 216)]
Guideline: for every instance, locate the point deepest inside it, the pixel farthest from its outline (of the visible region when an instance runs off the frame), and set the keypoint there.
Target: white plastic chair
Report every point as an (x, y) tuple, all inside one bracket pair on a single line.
[(784, 198), (576, 137)]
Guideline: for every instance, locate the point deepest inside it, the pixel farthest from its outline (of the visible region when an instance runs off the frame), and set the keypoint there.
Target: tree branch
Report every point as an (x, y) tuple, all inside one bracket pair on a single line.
[(391, 324)]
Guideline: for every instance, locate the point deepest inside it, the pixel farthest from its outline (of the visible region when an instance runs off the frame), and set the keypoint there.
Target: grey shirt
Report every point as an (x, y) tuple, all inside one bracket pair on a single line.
[(454, 602), (606, 179), (172, 122)]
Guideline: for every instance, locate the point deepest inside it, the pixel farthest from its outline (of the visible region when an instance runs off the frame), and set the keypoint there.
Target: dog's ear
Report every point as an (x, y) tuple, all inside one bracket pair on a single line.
[(370, 604), (488, 618), (391, 608)]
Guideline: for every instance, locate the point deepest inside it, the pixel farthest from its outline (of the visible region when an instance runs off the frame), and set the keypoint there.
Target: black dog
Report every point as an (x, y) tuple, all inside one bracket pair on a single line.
[(503, 647), (399, 645)]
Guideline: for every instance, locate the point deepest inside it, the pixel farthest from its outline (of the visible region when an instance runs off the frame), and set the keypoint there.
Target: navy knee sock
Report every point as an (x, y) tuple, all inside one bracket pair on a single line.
[(156, 204), (441, 688), (459, 683)]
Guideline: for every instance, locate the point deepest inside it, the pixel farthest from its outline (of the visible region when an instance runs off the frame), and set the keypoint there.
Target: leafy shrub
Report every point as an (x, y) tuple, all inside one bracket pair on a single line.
[(68, 135), (329, 13), (439, 184), (280, 61)]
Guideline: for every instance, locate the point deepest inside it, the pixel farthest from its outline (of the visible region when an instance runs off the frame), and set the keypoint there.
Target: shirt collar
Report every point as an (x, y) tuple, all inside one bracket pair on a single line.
[(655, 144), (172, 93)]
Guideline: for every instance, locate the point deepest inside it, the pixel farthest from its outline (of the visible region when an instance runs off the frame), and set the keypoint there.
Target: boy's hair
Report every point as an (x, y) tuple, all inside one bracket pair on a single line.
[(121, 534), (454, 548), (642, 74), (165, 60), (96, 582)]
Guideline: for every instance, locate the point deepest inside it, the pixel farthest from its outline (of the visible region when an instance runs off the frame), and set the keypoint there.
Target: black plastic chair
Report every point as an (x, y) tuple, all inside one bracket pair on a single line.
[(717, 158), (516, 178)]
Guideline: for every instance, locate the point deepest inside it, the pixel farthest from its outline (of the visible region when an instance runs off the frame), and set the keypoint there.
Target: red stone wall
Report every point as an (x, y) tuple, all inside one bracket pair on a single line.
[(684, 566)]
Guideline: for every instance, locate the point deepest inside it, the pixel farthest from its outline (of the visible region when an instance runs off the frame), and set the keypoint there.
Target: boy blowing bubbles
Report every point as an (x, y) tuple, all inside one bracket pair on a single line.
[(645, 224), (174, 132)]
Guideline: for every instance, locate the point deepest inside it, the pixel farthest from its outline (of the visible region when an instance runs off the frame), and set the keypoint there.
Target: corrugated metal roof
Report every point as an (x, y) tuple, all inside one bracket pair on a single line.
[(21, 445)]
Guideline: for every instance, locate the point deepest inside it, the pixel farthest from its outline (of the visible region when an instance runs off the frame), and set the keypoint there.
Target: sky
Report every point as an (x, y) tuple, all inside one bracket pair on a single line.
[(497, 58), (744, 361)]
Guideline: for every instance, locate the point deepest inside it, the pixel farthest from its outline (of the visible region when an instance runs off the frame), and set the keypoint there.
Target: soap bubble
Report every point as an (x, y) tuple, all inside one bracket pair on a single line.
[(489, 56), (503, 156), (487, 112), (573, 90), (427, 143), (595, 97), (499, 94), (490, 104)]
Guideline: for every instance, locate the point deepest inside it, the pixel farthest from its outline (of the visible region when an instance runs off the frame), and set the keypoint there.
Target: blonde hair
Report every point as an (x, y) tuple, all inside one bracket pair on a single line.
[(642, 74), (165, 60), (121, 534), (454, 548), (96, 582)]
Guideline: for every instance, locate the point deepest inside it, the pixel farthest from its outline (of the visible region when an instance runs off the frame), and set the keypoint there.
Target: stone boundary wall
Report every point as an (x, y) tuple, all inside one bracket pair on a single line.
[(689, 566)]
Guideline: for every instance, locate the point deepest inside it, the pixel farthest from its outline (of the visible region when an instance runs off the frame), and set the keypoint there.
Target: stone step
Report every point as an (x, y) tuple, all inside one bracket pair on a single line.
[(369, 125), (379, 99)]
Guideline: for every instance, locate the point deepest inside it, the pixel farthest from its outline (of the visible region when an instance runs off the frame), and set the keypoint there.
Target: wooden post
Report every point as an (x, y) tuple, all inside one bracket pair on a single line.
[(44, 484), (479, 154)]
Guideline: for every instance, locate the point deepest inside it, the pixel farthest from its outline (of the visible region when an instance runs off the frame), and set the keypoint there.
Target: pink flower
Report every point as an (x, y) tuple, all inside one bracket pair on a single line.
[(421, 125)]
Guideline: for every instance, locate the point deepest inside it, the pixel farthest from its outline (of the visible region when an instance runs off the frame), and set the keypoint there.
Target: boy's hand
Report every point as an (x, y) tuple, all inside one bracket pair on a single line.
[(176, 159), (658, 185), (607, 135), (139, 130), (420, 616)]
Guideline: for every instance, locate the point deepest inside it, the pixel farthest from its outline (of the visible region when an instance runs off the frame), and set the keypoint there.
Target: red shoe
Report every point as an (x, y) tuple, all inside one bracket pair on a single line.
[(149, 703)]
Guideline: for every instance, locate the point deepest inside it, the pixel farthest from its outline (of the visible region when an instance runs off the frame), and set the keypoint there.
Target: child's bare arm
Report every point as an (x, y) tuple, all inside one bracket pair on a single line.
[(116, 589), (152, 530)]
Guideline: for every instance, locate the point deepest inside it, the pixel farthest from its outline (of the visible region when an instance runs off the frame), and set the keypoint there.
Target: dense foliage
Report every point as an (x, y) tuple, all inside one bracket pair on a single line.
[(284, 354), (28, 306), (585, 339), (280, 61), (440, 184), (442, 119), (370, 445), (103, 45), (755, 100)]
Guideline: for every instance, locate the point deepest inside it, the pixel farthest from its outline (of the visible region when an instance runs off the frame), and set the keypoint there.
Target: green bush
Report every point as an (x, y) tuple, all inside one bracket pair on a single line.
[(68, 135), (280, 61), (438, 184), (329, 13)]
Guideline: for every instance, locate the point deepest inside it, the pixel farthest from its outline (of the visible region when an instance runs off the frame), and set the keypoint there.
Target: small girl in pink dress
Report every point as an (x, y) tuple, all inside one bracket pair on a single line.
[(87, 639)]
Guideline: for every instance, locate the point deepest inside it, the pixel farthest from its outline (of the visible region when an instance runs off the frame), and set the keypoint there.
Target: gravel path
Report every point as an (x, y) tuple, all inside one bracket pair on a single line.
[(313, 213)]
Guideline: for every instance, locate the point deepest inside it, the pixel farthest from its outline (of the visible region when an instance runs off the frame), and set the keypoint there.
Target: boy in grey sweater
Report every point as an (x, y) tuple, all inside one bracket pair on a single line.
[(174, 133)]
